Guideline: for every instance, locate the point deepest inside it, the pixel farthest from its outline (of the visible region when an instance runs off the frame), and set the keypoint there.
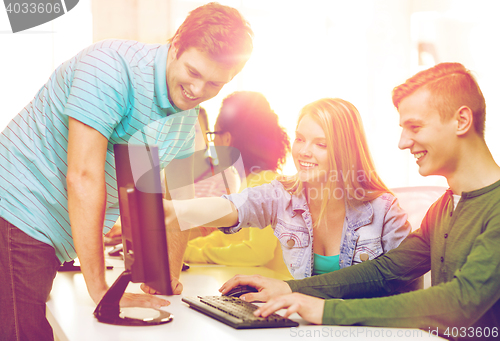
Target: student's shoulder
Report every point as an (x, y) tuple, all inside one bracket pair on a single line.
[(385, 200), (123, 46), (119, 51)]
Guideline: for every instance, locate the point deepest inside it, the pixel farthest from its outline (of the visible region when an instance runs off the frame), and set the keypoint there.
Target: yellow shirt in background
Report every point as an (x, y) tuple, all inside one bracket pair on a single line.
[(249, 247)]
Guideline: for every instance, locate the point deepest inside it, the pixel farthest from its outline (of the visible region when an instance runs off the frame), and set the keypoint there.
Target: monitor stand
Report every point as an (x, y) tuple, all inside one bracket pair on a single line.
[(108, 309)]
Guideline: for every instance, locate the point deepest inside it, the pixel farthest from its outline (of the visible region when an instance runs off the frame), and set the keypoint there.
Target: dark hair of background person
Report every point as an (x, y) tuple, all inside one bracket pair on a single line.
[(255, 131)]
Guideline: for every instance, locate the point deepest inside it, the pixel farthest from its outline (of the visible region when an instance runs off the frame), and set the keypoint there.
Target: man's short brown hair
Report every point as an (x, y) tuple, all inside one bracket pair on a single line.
[(451, 86), (218, 30)]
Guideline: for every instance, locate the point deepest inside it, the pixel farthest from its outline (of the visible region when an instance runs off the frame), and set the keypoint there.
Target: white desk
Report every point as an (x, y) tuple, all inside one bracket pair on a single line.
[(70, 312)]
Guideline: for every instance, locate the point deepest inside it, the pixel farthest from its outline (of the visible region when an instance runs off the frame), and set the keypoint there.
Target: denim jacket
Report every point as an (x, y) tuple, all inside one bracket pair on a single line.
[(371, 228)]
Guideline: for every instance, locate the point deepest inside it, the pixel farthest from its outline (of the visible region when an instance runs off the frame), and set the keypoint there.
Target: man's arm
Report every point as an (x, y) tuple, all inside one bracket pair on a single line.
[(86, 202), (366, 279), (86, 205), (179, 184), (474, 289), (379, 277)]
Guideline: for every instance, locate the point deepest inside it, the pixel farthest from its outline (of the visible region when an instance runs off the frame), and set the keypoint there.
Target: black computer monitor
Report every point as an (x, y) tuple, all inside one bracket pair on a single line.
[(143, 232)]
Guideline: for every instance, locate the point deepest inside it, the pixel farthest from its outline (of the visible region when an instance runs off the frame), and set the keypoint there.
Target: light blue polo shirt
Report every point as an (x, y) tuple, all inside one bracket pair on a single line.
[(117, 87)]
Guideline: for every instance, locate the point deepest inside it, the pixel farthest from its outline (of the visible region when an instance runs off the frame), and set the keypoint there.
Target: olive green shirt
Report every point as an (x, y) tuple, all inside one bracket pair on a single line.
[(461, 247)]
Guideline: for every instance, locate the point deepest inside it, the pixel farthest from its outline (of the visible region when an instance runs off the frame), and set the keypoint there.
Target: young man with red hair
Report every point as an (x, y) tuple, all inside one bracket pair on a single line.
[(442, 113), (57, 184)]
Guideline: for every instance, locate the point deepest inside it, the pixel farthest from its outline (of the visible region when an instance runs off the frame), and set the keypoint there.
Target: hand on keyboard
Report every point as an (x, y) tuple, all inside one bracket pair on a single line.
[(308, 307), (267, 287), (236, 313)]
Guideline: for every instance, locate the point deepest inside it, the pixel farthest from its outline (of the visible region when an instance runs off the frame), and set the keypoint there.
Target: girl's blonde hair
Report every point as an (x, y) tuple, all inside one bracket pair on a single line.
[(351, 168)]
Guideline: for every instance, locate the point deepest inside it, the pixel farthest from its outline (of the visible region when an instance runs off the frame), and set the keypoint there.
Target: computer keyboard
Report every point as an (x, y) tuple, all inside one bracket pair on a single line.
[(235, 312)]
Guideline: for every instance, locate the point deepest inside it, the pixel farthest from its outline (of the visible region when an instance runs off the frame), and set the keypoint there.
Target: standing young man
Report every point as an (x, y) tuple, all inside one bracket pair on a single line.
[(442, 113), (57, 176)]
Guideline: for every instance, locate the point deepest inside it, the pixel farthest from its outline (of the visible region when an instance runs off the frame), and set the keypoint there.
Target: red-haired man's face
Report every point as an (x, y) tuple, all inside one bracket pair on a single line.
[(194, 77), (429, 138)]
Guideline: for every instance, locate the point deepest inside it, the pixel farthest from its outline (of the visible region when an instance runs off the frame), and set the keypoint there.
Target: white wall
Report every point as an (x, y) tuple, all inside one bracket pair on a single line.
[(359, 51), (29, 57), (304, 50)]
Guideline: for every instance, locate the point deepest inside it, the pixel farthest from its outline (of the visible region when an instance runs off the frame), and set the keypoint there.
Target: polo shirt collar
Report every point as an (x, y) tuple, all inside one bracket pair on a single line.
[(161, 88)]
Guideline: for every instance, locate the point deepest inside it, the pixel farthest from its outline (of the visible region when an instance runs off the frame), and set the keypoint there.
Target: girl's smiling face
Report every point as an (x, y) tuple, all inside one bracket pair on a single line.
[(309, 151)]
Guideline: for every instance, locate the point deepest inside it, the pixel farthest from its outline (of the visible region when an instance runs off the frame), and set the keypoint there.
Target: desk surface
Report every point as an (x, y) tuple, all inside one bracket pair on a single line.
[(70, 312)]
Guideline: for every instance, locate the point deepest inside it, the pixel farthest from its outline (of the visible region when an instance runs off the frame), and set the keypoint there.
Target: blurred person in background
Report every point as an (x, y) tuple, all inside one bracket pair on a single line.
[(246, 122), (334, 213)]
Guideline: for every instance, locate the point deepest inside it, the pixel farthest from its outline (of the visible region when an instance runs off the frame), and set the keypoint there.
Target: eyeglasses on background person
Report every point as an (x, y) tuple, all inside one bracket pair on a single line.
[(211, 135)]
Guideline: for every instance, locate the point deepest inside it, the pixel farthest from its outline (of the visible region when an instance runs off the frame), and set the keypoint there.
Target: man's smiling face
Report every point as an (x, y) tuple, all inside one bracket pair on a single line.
[(194, 77), (428, 137)]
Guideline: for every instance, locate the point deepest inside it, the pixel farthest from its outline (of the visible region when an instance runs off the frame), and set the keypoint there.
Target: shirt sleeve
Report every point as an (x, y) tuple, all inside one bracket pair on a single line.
[(250, 247), (474, 289), (257, 206), (99, 91), (396, 226), (378, 277)]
